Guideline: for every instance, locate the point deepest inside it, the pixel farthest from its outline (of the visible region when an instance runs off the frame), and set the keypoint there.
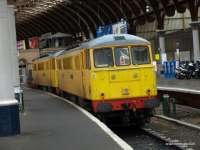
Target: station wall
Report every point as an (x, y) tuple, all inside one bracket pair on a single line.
[(178, 34)]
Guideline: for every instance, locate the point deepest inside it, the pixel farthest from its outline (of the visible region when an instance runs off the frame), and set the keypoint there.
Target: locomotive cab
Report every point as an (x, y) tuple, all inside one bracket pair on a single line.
[(119, 79), (122, 78)]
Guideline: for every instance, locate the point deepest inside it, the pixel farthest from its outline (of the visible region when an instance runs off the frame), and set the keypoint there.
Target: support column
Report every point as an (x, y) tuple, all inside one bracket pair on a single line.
[(195, 34), (9, 112), (13, 38), (161, 38)]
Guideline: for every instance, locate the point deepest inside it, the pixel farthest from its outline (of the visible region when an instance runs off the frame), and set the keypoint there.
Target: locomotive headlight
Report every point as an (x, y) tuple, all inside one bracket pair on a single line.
[(148, 92), (102, 95)]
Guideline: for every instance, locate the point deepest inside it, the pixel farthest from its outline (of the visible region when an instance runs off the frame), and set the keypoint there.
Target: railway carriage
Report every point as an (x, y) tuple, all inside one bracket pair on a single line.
[(111, 76), (42, 72), (45, 71)]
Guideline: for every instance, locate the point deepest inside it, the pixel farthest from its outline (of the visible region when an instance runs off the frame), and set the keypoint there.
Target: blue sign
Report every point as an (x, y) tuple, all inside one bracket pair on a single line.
[(104, 30), (117, 28)]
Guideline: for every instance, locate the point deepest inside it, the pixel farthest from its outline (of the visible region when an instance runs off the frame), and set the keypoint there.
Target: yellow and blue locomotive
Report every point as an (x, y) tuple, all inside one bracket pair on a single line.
[(109, 75)]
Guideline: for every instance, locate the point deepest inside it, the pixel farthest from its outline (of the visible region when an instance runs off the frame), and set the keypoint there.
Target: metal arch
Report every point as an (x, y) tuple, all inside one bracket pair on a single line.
[(27, 26), (70, 16), (87, 9), (94, 12), (165, 3), (178, 8), (80, 17), (54, 17), (143, 15), (136, 5), (57, 16), (44, 16), (141, 19), (20, 29), (193, 7), (159, 15), (139, 6), (53, 20), (170, 10), (118, 7), (110, 9), (86, 14), (56, 9), (41, 23), (23, 30), (33, 24), (34, 20), (91, 2), (142, 5), (19, 35), (128, 6)]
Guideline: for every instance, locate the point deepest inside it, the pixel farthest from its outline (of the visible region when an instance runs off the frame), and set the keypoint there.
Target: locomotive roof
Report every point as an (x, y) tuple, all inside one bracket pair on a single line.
[(56, 54), (114, 39)]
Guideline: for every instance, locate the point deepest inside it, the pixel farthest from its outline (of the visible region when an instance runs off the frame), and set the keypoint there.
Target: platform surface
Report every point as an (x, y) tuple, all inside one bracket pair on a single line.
[(51, 124), (190, 86)]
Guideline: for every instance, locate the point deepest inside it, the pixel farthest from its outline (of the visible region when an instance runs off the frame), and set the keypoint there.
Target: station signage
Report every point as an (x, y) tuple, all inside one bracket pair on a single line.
[(117, 28)]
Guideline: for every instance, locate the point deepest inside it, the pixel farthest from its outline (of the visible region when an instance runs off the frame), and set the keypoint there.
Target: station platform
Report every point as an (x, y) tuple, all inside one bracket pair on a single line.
[(49, 123), (191, 86)]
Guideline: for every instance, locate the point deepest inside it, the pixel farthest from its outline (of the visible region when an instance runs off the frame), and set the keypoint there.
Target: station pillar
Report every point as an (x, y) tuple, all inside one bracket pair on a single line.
[(9, 111), (15, 62), (195, 34), (161, 38)]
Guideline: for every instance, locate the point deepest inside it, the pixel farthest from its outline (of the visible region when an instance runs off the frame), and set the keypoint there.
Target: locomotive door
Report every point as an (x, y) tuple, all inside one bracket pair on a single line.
[(86, 73)]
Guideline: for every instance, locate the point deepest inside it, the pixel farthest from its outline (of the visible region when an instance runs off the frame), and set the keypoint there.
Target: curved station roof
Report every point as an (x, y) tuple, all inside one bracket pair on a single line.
[(35, 17)]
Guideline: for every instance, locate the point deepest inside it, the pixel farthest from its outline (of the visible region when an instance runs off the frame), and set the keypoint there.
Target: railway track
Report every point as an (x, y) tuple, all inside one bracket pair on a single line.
[(172, 143), (144, 139), (162, 133), (181, 134)]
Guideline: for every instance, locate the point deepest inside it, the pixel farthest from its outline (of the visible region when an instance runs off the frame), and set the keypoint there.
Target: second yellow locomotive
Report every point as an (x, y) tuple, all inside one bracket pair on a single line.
[(109, 75)]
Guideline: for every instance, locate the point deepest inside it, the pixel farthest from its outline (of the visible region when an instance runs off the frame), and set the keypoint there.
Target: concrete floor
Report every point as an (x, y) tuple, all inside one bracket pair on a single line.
[(50, 124)]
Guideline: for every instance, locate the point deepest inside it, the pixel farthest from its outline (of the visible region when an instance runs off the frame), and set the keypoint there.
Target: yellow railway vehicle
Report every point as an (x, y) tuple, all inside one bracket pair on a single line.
[(45, 71), (111, 76)]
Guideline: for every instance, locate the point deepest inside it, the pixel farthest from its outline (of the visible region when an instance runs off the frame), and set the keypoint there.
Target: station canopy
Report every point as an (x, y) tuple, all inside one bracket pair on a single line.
[(35, 17)]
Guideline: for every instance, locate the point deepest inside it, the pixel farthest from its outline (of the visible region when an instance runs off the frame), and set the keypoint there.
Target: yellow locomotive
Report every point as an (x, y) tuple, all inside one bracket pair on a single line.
[(112, 75)]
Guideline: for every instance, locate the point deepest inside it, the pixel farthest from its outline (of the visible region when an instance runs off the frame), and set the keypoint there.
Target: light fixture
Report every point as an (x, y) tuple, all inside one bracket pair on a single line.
[(148, 8)]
